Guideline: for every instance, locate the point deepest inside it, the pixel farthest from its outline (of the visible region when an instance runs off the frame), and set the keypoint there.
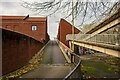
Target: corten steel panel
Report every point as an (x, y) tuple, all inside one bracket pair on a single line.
[(47, 38), (20, 43), (24, 26), (64, 29), (17, 50)]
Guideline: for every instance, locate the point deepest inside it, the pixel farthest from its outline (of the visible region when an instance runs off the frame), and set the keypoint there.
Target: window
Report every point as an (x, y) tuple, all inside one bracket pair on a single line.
[(34, 28)]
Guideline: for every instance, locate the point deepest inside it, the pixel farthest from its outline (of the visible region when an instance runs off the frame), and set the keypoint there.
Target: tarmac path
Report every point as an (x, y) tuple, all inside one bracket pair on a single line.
[(53, 64)]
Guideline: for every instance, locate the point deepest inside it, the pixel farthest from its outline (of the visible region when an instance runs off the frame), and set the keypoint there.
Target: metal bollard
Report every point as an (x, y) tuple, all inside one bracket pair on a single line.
[(72, 58)]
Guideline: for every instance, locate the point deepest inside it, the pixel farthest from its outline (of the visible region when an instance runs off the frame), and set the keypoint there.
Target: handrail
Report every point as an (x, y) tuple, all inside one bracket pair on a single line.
[(64, 51), (72, 53), (69, 50), (68, 76)]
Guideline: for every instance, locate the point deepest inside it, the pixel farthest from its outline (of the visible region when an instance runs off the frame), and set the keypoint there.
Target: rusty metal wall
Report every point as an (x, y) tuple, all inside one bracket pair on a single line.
[(17, 50), (64, 29), (25, 27)]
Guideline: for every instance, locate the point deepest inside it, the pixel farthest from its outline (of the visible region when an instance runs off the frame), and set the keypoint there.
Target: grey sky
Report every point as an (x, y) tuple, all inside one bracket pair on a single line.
[(14, 8)]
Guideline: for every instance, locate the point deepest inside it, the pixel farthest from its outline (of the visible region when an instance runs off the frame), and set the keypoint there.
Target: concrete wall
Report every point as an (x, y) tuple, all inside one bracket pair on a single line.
[(64, 29), (17, 50)]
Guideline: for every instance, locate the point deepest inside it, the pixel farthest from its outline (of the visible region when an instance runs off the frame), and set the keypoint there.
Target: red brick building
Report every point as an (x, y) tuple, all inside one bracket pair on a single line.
[(64, 29), (22, 38)]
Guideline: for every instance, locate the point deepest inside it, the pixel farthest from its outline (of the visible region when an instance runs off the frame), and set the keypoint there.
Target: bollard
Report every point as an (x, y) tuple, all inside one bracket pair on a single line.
[(72, 58)]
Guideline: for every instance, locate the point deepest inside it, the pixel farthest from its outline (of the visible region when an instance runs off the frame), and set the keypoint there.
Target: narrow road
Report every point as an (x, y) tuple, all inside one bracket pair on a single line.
[(53, 64)]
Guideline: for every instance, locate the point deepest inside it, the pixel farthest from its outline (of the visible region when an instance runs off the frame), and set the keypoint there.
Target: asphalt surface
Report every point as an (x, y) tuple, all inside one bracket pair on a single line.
[(52, 65), (53, 54)]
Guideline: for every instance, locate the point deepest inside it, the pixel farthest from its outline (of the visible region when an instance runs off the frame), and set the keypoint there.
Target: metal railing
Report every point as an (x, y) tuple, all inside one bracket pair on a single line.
[(76, 71), (113, 39), (67, 51)]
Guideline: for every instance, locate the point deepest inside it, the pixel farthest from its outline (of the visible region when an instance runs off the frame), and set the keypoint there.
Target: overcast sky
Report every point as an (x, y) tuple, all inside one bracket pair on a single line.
[(13, 7)]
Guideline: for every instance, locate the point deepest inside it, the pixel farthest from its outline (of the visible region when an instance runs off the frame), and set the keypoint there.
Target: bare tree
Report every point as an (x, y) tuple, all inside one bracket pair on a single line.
[(81, 9)]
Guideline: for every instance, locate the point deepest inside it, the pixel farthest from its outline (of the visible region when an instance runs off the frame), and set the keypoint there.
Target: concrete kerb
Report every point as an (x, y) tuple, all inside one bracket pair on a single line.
[(64, 53)]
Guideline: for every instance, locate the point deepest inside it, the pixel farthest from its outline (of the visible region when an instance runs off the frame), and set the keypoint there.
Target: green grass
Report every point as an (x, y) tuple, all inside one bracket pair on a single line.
[(89, 70), (97, 68)]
